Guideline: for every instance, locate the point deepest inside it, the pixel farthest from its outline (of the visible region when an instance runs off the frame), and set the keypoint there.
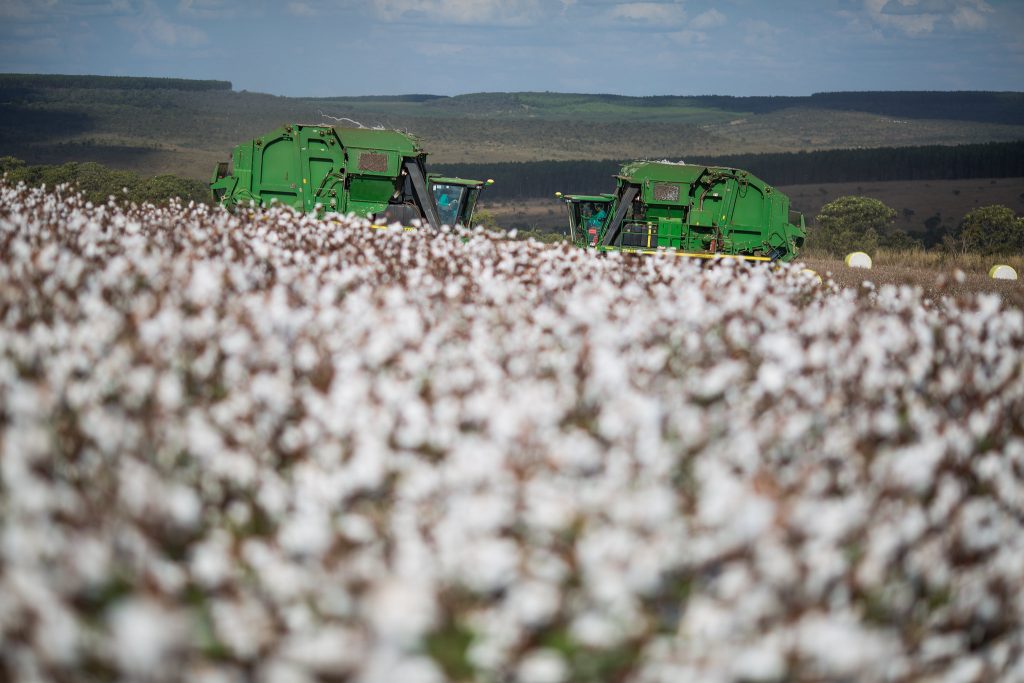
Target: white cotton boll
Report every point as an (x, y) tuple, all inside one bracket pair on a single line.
[(204, 440), (401, 611), (183, 506), (718, 378), (306, 356), (837, 645), (914, 466), (91, 559), (329, 651), (57, 635), (210, 563), (170, 578), (282, 580), (278, 671), (389, 666), (145, 636), (357, 528), (547, 566), (965, 670), (490, 564), (211, 673), (760, 661), (237, 342), (829, 520), (944, 647), (242, 625), (204, 287), (771, 377), (980, 525), (542, 666), (706, 621), (578, 453), (595, 630), (739, 512), (547, 506), (306, 532), (168, 391), (533, 603)]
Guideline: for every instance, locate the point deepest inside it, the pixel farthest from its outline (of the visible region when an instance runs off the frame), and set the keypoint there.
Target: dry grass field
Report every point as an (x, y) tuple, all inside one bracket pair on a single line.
[(936, 274)]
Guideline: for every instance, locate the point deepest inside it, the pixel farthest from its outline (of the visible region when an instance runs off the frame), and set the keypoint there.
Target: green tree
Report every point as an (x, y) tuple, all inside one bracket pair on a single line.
[(485, 218), (851, 223), (900, 240), (11, 165), (988, 230)]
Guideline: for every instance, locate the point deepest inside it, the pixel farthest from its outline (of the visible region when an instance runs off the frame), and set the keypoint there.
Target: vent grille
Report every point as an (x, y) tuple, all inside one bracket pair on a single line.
[(373, 161), (666, 192)]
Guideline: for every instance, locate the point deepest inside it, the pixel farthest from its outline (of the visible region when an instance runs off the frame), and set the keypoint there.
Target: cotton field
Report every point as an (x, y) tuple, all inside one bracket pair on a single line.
[(266, 447)]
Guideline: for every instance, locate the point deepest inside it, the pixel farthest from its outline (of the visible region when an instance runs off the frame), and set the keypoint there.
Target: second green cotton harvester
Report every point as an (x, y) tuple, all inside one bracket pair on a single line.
[(690, 210)]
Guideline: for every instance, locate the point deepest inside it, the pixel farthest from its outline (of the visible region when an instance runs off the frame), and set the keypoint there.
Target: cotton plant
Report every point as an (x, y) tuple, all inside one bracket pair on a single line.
[(267, 446)]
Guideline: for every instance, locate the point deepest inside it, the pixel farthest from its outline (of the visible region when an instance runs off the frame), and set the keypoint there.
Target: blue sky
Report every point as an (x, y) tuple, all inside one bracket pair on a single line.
[(346, 47)]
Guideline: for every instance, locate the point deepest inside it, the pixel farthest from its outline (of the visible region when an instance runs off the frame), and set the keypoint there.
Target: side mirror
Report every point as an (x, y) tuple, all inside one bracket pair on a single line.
[(490, 181), (558, 195)]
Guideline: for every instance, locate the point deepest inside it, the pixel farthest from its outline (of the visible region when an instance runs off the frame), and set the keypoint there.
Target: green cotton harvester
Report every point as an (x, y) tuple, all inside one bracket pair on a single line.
[(377, 174), (689, 210)]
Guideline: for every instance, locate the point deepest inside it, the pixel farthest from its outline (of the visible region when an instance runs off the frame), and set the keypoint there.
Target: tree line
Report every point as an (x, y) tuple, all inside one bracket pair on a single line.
[(522, 179), (29, 81), (965, 105), (855, 223), (97, 182)]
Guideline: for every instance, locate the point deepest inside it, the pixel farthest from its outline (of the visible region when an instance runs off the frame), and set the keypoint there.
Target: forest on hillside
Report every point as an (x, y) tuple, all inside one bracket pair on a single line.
[(932, 162)]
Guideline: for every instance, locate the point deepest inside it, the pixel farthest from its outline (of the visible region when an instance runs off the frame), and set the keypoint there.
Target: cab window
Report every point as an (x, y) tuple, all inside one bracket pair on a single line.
[(449, 200)]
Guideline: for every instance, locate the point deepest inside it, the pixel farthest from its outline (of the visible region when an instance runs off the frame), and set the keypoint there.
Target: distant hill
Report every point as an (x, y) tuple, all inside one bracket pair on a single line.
[(162, 125)]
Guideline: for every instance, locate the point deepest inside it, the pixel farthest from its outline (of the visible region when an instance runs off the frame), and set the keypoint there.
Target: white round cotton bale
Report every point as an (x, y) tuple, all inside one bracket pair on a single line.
[(1002, 271), (812, 273), (858, 259)]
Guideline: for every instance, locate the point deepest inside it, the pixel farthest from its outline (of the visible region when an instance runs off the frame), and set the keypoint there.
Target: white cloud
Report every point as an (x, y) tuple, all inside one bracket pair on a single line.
[(170, 34), (971, 18), (40, 10), (300, 9), (439, 49), (921, 17), (478, 12), (649, 12), (154, 33), (709, 19), (688, 37), (210, 9), (761, 34)]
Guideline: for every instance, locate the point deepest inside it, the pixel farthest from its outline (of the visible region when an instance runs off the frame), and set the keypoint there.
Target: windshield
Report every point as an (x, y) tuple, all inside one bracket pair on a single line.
[(449, 200), (589, 218)]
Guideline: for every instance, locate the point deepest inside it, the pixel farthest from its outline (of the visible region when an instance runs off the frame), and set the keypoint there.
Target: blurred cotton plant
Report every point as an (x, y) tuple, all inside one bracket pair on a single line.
[(266, 446)]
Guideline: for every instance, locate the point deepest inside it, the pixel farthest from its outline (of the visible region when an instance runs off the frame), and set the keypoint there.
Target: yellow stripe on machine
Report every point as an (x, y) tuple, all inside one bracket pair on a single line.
[(407, 228), (688, 254)]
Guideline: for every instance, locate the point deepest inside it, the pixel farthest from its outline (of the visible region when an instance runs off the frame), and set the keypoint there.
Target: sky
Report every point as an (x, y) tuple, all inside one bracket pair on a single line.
[(448, 47)]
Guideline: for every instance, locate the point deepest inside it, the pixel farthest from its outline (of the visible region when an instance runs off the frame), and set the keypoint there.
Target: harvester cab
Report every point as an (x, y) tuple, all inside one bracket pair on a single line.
[(587, 216), (377, 174), (456, 198), (700, 211)]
